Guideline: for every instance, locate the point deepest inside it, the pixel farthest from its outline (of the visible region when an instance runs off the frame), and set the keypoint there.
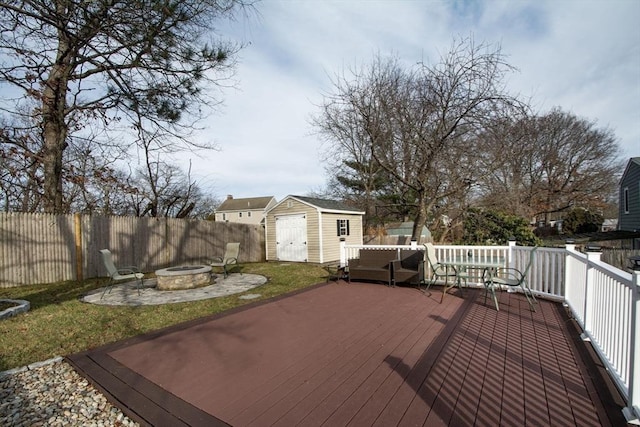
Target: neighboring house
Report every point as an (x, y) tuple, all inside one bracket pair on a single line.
[(610, 224), (307, 229), (406, 229), (250, 210), (629, 206)]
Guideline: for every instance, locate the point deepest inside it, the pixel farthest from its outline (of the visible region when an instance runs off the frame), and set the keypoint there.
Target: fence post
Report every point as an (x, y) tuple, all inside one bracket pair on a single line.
[(632, 410), (593, 256), (343, 252)]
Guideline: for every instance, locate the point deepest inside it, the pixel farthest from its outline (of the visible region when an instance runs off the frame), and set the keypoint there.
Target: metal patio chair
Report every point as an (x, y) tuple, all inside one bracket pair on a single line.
[(439, 271), (511, 277), (117, 274), (229, 260)]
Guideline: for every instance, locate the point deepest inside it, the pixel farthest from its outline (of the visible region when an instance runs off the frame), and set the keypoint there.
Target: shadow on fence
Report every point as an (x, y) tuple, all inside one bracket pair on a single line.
[(44, 248)]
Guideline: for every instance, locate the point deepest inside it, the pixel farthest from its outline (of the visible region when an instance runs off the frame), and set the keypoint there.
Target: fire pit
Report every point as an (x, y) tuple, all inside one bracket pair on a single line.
[(184, 277)]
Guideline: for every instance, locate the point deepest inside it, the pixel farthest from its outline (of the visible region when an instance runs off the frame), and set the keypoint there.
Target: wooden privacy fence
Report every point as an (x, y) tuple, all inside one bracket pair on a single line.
[(44, 248), (619, 257)]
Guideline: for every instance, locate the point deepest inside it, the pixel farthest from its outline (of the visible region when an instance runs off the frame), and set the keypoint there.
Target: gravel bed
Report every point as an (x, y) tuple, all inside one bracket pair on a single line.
[(53, 394)]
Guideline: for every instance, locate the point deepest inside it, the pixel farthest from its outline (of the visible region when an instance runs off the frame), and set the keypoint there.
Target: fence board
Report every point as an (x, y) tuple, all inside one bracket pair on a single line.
[(619, 257), (41, 248)]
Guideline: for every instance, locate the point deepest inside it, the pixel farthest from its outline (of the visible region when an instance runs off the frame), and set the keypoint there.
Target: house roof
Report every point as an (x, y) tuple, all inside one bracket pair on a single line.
[(250, 203), (632, 161), (325, 205)]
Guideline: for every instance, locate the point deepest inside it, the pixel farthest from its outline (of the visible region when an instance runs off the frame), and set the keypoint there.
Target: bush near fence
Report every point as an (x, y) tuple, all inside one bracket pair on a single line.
[(45, 248)]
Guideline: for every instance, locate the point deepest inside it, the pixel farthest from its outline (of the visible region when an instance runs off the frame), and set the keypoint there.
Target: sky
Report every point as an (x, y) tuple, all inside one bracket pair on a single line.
[(582, 56)]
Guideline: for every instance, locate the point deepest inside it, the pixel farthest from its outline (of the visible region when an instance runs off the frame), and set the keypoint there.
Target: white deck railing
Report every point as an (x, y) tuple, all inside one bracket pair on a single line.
[(604, 300)]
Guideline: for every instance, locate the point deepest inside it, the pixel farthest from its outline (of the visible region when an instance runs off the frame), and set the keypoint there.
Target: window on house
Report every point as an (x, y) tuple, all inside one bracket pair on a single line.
[(224, 217), (249, 214), (626, 200), (239, 214), (342, 227)]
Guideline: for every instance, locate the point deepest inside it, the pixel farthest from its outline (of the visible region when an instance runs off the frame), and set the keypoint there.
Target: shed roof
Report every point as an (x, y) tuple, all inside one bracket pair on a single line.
[(249, 203), (325, 205)]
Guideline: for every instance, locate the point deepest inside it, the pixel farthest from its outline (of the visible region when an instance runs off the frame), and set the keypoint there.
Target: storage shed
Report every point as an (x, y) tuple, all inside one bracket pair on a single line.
[(307, 229)]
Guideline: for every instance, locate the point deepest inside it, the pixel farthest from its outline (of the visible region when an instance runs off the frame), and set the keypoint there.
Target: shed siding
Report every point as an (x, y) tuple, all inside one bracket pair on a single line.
[(331, 240), (631, 181)]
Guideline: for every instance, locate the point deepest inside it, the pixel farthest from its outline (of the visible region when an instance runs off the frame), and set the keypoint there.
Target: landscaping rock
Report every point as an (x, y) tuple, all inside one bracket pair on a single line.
[(53, 394)]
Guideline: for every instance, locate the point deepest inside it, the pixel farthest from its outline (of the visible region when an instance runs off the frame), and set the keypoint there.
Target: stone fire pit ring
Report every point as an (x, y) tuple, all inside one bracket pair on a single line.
[(183, 277)]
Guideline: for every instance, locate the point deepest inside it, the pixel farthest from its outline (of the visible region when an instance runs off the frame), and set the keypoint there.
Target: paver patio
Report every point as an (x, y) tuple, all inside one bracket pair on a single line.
[(362, 354)]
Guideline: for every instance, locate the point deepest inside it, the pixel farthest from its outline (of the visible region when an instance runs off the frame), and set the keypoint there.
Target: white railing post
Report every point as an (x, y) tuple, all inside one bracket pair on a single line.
[(343, 252), (511, 253), (569, 246), (593, 256), (632, 411)]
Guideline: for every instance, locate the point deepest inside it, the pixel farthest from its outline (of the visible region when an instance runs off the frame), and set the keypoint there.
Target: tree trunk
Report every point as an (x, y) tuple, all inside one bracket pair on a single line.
[(421, 216), (54, 135), (54, 125)]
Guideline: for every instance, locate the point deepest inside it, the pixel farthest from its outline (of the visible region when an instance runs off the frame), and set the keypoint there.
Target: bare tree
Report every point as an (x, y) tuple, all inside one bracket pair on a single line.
[(548, 164), (94, 184), (421, 124), (354, 176), (163, 190), (110, 62), (20, 173)]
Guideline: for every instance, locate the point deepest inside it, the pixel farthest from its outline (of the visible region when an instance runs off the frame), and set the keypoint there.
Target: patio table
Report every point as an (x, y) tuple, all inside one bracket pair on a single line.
[(488, 270)]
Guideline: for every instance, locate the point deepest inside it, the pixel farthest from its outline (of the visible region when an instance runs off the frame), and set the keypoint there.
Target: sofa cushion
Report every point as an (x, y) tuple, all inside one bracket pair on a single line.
[(377, 257)]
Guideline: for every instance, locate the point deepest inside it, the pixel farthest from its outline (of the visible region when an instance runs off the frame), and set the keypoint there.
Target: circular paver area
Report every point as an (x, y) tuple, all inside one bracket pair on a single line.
[(127, 294)]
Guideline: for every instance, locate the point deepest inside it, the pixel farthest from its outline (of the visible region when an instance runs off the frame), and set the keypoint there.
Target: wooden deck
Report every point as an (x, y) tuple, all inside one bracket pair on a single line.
[(362, 355)]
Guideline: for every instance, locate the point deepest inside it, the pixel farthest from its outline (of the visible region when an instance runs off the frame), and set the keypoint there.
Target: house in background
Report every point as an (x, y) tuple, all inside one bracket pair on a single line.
[(308, 229), (250, 210), (610, 224), (405, 229), (629, 205)]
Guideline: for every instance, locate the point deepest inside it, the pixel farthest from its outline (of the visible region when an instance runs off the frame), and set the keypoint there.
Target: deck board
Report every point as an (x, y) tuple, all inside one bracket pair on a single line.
[(362, 354)]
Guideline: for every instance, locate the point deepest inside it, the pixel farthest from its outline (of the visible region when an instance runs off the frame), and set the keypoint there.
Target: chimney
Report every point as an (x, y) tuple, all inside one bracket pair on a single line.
[(229, 196)]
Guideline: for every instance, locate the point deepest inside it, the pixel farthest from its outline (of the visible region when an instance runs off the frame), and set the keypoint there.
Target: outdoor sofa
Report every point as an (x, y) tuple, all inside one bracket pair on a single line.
[(409, 268), (373, 265)]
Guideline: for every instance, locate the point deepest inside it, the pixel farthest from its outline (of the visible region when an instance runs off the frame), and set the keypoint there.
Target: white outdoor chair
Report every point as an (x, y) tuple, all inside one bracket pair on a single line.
[(229, 259), (118, 274)]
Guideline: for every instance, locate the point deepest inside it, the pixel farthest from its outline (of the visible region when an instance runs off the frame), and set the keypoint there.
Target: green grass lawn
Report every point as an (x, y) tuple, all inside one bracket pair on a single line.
[(58, 323)]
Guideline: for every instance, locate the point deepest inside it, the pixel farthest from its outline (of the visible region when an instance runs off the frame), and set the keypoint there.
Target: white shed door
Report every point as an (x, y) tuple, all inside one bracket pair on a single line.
[(291, 238)]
